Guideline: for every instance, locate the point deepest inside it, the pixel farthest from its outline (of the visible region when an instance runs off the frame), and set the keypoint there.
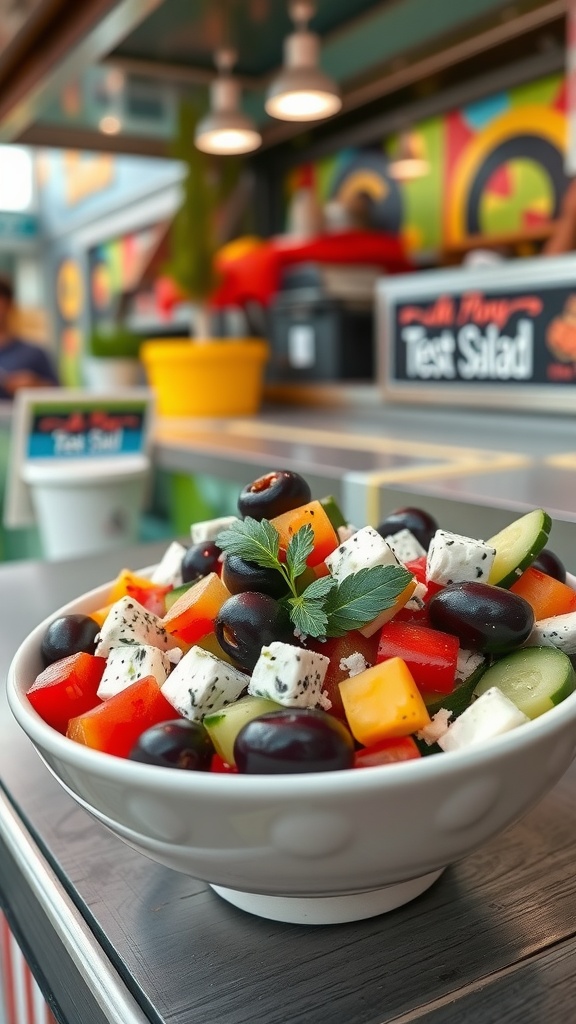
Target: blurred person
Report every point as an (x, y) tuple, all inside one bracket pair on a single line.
[(22, 364)]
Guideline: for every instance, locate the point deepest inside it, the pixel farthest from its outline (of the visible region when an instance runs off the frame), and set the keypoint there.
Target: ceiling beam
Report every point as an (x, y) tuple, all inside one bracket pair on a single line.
[(56, 136), (78, 35)]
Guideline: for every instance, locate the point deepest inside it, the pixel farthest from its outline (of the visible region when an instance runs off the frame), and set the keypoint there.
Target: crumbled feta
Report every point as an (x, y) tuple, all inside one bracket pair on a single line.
[(354, 664), (126, 664), (453, 558), (202, 683), (290, 676), (168, 572), (364, 550), (490, 715), (467, 663), (210, 528), (128, 623), (438, 726)]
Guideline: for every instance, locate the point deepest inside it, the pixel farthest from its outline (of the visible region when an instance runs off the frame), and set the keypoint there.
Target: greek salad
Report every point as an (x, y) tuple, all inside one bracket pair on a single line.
[(286, 640)]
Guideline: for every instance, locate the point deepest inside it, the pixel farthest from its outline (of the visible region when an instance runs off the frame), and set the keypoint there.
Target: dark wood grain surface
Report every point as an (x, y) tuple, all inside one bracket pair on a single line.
[(493, 940)]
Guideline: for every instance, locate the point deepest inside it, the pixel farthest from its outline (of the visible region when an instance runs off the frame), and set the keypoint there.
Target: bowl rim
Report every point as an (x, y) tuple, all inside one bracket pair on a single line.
[(346, 781)]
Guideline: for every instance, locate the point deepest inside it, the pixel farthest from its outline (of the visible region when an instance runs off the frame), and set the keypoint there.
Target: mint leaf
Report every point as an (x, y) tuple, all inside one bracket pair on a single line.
[(254, 541), (299, 548), (359, 598), (308, 617)]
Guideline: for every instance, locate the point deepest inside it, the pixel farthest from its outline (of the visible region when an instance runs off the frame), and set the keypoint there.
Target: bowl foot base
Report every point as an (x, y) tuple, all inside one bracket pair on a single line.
[(329, 909)]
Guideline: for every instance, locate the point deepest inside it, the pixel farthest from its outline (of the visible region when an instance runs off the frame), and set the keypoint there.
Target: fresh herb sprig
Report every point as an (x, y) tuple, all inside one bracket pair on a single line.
[(325, 607)]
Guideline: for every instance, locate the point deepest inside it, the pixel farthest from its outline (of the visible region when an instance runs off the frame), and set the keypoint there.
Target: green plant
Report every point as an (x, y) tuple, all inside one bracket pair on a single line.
[(195, 235), (115, 343)]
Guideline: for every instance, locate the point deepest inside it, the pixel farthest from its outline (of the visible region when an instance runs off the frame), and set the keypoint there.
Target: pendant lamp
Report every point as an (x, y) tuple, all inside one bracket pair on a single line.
[(410, 160), (226, 130), (302, 91)]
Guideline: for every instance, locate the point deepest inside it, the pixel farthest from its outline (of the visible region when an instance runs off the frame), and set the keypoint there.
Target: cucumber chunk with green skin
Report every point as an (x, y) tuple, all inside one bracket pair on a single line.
[(534, 678), (173, 595), (223, 726), (459, 699), (333, 511), (517, 545)]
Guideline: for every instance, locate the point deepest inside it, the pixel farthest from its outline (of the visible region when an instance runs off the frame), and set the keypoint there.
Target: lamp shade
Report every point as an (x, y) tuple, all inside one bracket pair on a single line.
[(226, 130), (410, 160), (302, 91)]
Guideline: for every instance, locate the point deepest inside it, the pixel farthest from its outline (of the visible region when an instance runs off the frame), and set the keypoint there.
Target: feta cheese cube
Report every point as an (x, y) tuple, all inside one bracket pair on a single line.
[(202, 683), (405, 546), (290, 676), (126, 664), (365, 549), (168, 572), (491, 715), (557, 631), (128, 623), (210, 528), (453, 558)]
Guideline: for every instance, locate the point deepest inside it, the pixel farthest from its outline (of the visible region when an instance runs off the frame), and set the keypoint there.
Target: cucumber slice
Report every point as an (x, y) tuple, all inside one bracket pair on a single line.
[(517, 545), (173, 595), (223, 726), (333, 511), (535, 679), (459, 699)]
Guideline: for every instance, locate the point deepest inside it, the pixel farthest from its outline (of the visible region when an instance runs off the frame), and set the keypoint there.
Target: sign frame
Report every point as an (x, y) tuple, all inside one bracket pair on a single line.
[(31, 402), (426, 287)]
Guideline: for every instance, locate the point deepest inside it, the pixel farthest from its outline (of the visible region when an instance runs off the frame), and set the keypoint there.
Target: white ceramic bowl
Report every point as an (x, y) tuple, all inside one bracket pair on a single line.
[(315, 848)]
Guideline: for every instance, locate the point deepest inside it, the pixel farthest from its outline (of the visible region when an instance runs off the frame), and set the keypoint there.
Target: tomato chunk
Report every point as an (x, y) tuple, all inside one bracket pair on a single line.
[(67, 688), (402, 748), (114, 726), (325, 537), (150, 595), (430, 654), (546, 595), (192, 616)]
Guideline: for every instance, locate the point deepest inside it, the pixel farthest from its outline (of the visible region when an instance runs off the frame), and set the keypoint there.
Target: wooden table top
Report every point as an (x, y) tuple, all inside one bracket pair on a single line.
[(493, 940)]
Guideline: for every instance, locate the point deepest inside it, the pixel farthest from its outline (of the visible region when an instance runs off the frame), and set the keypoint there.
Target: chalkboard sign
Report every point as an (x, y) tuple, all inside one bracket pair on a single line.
[(53, 426), (499, 336)]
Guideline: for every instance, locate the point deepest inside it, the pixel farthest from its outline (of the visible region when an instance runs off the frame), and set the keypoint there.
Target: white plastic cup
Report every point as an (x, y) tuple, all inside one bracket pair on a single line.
[(84, 508)]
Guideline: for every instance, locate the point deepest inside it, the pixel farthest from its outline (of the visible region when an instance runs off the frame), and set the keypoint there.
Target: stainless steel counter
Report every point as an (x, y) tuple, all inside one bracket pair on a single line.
[(114, 937), (473, 470)]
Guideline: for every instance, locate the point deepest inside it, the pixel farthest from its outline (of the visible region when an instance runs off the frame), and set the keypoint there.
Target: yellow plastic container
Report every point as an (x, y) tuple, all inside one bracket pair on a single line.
[(206, 378)]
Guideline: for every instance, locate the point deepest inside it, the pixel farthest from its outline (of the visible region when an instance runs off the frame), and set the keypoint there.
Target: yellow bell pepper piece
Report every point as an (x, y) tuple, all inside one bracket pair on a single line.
[(100, 614), (383, 702), (124, 580)]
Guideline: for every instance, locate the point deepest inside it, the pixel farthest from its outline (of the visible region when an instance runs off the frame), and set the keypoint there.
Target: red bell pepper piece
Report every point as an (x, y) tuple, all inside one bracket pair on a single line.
[(222, 767), (430, 654), (418, 569), (401, 748), (67, 688), (115, 725)]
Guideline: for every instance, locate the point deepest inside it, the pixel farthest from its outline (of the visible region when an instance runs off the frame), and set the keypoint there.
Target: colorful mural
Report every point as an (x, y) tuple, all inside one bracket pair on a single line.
[(495, 168)]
